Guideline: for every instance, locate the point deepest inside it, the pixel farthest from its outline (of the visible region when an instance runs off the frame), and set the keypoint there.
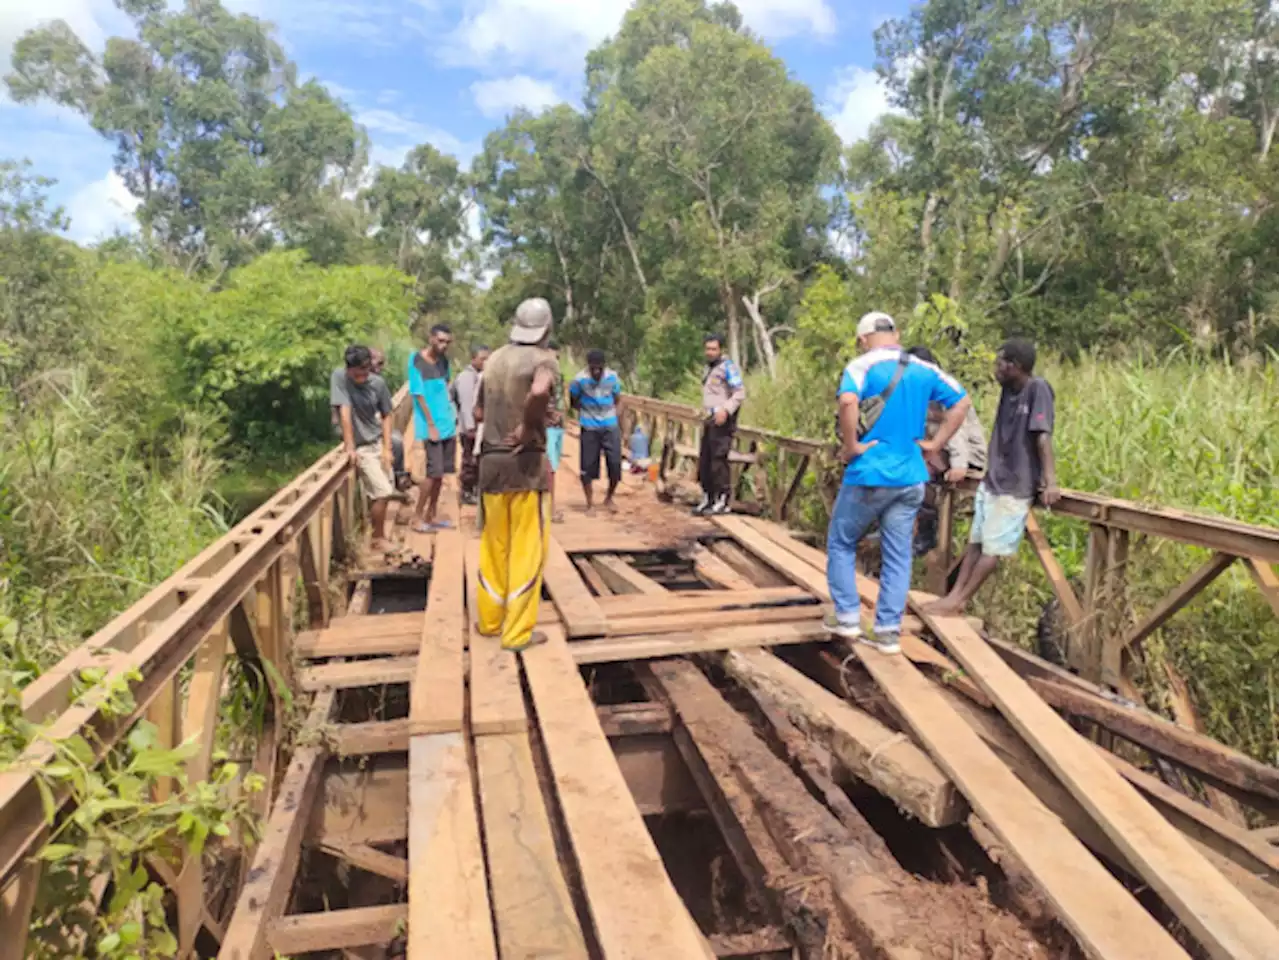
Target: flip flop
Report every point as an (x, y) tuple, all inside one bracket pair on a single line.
[(537, 638)]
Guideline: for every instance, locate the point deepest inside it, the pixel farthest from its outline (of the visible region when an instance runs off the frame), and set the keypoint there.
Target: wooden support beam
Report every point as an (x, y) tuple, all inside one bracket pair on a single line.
[(1091, 903), (784, 507), (581, 615), (1175, 600), (1198, 753), (1225, 923), (882, 758), (370, 859), (16, 903), (436, 693), (635, 909), (633, 719), (623, 578), (304, 933), (1267, 582), (315, 575), (1067, 600), (265, 894)]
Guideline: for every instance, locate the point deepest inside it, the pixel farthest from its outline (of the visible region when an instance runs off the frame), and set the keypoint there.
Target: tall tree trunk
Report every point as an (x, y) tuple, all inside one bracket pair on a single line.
[(622, 222), (732, 328), (926, 245), (763, 335)]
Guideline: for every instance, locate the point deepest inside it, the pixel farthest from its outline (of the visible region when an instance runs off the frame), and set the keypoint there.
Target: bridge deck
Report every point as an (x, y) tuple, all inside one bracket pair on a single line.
[(482, 804)]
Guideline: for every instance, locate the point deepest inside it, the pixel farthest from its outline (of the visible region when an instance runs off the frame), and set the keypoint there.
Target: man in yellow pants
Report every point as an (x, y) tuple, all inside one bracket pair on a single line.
[(515, 393)]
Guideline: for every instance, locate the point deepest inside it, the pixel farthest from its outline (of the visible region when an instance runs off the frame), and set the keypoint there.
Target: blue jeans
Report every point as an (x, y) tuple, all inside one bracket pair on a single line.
[(856, 509)]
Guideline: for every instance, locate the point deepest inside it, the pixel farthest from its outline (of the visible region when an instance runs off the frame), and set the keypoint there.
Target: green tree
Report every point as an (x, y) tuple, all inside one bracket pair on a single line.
[(213, 133)]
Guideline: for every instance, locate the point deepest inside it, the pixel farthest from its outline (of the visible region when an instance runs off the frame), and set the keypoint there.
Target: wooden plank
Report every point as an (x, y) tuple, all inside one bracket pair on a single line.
[(337, 929), (882, 758), (592, 576), (1217, 914), (264, 895), (1195, 751), (680, 621), (370, 859), (1267, 582), (759, 574), (448, 900), (716, 572), (531, 904), (617, 649), (315, 646), (627, 607), (1107, 921), (497, 702), (636, 911), (436, 693), (621, 577), (633, 719), (369, 737), (363, 801), (781, 559), (578, 609), (16, 903), (372, 625), (1177, 598), (357, 673)]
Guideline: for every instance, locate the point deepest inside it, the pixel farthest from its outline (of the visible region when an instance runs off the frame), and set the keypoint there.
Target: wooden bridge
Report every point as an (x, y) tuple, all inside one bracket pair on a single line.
[(688, 768)]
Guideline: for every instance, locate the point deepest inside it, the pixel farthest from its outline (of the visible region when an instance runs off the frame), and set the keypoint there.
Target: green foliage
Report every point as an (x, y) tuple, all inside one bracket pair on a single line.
[(261, 349)]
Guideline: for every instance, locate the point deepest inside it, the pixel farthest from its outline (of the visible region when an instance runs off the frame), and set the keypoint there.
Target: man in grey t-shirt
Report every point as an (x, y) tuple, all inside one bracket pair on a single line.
[(1019, 465), (364, 414)]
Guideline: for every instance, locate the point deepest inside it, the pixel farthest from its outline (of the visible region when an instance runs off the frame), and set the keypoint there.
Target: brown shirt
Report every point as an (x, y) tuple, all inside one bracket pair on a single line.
[(508, 377)]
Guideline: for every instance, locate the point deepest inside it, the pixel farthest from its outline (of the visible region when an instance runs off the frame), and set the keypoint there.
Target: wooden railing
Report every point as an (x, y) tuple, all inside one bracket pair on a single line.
[(239, 591), (769, 470)]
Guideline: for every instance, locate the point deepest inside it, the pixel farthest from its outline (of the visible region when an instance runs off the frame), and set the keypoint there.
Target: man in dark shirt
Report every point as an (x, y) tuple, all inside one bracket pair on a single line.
[(364, 417), (1019, 465)]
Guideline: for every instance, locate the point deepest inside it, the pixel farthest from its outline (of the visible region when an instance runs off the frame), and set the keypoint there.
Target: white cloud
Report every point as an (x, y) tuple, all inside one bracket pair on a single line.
[(497, 98), (555, 35), (100, 209), (856, 100), (92, 20)]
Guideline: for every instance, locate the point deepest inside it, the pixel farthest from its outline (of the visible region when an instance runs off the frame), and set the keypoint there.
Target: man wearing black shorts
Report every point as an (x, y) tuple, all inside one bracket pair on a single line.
[(434, 422), (594, 393)]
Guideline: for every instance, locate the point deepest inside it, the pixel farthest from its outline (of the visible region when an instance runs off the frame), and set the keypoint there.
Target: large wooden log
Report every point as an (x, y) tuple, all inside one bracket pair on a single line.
[(880, 757)]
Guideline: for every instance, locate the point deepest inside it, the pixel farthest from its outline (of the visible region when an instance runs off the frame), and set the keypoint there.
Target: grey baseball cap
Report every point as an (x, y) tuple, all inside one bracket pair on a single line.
[(875, 322), (532, 321)]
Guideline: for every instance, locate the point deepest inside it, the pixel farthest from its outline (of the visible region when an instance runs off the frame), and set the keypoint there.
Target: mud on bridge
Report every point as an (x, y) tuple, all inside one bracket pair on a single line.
[(689, 767)]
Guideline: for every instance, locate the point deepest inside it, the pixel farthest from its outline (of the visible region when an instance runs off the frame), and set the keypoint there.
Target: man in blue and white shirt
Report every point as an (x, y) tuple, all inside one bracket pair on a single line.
[(722, 395), (886, 473), (594, 393)]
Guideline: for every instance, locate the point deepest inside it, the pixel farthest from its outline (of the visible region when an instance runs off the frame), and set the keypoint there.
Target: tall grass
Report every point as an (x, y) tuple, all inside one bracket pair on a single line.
[(1184, 431), (91, 515)]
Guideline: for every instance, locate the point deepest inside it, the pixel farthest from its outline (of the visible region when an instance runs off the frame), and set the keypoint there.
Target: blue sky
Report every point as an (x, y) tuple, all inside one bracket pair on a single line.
[(439, 71)]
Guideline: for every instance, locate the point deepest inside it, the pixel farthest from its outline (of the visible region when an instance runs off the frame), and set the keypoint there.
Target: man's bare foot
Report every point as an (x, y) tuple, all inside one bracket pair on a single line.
[(382, 546), (590, 511), (945, 607), (611, 506), (558, 517)]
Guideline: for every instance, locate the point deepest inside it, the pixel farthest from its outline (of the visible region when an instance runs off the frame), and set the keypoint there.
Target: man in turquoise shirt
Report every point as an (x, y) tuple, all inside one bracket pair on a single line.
[(435, 423)]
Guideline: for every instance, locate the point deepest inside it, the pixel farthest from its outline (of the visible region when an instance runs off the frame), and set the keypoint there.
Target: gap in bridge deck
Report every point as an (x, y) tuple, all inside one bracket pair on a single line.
[(400, 593)]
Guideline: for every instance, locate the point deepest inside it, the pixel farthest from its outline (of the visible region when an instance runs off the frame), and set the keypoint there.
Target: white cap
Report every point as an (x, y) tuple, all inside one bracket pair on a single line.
[(532, 321), (875, 322)]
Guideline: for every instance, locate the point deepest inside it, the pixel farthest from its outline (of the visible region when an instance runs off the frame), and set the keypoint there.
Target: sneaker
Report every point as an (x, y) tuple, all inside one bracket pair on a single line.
[(719, 508), (884, 642), (703, 505), (836, 627)]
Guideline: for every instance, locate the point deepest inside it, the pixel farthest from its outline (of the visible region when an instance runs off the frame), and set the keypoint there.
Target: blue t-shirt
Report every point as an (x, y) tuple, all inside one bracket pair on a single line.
[(896, 461), (597, 400), (430, 381)]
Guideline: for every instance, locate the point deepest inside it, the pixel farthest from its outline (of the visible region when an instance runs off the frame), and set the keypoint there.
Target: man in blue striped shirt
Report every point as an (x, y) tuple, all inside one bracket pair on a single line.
[(594, 393)]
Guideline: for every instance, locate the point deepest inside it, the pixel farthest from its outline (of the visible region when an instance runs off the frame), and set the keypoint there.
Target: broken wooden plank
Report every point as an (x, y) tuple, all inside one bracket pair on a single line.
[(337, 929), (369, 737), (636, 911), (364, 800), (581, 615), (1105, 919), (621, 577), (358, 673), (714, 571), (707, 641), (370, 859), (1218, 915), (758, 574), (592, 576), (448, 899), (882, 758), (265, 894), (436, 694), (632, 719), (531, 905), (785, 561)]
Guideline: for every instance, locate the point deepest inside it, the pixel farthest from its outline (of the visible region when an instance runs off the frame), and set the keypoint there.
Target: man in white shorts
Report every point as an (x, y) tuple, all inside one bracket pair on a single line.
[(363, 403), (1019, 465)]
